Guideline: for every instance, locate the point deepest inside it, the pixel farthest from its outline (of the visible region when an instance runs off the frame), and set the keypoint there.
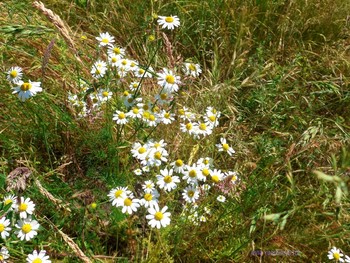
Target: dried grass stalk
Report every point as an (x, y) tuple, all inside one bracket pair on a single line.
[(49, 196), (62, 28), (74, 247), (169, 50)]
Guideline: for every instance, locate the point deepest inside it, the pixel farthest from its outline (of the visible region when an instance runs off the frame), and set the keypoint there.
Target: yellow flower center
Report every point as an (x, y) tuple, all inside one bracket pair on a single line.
[(169, 19), (155, 109), (192, 67), (121, 115), (135, 110), (212, 118), (114, 59), (26, 86), (135, 85), (206, 162), (158, 155), (37, 260), (156, 145), (202, 126), (93, 205), (148, 197), (145, 107), (158, 216), (8, 201), (146, 114), (151, 117), (26, 228), (2, 227), (13, 73), (192, 173), (181, 112), (98, 71), (225, 146), (124, 62), (141, 71), (22, 207), (142, 150), (336, 256), (116, 50), (170, 79), (163, 96), (105, 94), (215, 178), (190, 193), (179, 163), (105, 40), (118, 193), (1, 258), (127, 202), (125, 93), (167, 115), (205, 172), (132, 64), (189, 126), (168, 179)]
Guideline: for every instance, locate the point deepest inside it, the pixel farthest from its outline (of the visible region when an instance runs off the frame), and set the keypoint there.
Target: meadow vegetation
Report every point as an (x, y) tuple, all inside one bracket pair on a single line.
[(277, 74)]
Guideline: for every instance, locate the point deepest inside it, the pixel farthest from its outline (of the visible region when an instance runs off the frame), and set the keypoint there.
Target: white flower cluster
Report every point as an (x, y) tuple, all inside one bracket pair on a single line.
[(24, 90), (26, 226)]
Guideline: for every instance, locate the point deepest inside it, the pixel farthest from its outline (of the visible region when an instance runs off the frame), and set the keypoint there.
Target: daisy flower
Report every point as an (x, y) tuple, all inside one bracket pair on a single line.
[(27, 228), (113, 60), (178, 166), (156, 157), (212, 119), (168, 22), (116, 51), (130, 205), (10, 199), (335, 253), (148, 186), (157, 145), (142, 73), (25, 90), (118, 194), (25, 207), (158, 217), (207, 162), (164, 98), (166, 117), (14, 74), (190, 194), (4, 229), (139, 151), (105, 39), (166, 180), (189, 128), (99, 69), (216, 175), (192, 69), (169, 81), (150, 199), (4, 254), (104, 95), (185, 114), (38, 257), (191, 174), (224, 147), (134, 85), (120, 117), (138, 171), (221, 198), (135, 113), (203, 129)]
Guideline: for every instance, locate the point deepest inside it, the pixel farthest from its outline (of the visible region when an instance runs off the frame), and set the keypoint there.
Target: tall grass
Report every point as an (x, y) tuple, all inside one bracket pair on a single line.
[(276, 70)]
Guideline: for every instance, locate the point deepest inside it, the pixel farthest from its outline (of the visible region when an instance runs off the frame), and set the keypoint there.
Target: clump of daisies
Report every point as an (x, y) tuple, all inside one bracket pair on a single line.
[(23, 89), (18, 223)]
